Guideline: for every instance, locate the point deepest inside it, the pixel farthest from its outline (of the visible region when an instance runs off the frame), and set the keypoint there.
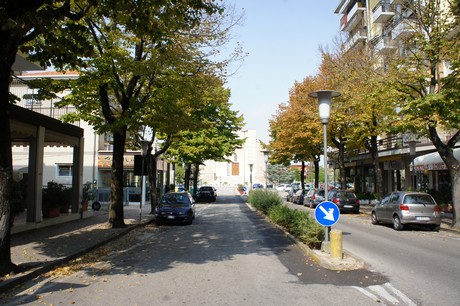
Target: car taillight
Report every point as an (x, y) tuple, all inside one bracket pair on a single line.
[(313, 197), (436, 208), (403, 207), (336, 200), (357, 201)]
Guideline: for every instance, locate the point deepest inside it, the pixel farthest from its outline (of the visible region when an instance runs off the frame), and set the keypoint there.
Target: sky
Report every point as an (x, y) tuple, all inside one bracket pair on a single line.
[(282, 39)]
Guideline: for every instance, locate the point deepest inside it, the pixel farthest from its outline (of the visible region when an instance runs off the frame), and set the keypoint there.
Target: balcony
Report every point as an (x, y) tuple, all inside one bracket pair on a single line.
[(382, 12), (384, 44), (360, 35), (353, 17), (403, 29)]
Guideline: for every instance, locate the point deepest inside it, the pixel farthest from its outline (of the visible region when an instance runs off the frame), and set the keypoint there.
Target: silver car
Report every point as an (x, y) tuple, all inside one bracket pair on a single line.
[(313, 197), (403, 207)]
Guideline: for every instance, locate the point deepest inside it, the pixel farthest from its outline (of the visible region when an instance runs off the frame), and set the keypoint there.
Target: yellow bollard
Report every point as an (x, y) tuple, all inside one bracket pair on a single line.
[(336, 244)]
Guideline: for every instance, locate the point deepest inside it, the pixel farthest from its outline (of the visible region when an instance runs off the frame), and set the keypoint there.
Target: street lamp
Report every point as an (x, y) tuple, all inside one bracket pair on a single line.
[(144, 149), (250, 176), (324, 101), (266, 155)]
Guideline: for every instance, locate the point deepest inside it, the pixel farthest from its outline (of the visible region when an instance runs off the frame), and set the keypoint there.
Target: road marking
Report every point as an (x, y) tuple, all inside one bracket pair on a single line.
[(380, 294)]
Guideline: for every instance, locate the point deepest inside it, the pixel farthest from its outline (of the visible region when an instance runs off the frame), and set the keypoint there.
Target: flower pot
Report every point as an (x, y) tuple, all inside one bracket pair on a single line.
[(51, 212)]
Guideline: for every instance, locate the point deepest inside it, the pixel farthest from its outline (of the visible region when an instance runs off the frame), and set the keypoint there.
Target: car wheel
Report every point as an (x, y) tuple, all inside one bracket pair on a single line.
[(397, 223), (374, 219), (435, 228)]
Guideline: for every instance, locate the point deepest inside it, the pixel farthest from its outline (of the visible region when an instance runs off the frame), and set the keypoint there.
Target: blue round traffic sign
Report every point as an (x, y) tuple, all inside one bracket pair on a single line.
[(327, 213)]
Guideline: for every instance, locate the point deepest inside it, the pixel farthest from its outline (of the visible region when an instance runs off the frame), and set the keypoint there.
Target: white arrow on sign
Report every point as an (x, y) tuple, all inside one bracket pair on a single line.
[(329, 215)]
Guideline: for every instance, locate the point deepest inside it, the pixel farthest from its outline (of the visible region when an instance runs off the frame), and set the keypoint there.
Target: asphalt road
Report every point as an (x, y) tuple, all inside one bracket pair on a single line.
[(229, 256)]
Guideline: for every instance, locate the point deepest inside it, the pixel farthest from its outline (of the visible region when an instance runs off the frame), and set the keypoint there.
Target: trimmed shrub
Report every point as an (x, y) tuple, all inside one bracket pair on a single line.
[(299, 224), (263, 200)]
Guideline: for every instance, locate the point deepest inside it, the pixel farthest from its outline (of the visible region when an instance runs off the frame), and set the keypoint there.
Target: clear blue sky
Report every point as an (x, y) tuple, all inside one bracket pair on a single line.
[(282, 38)]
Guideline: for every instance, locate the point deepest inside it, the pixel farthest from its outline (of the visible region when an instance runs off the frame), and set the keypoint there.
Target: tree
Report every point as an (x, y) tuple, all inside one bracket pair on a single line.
[(431, 97), (143, 72), (21, 23), (366, 108), (296, 129), (279, 174), (216, 139)]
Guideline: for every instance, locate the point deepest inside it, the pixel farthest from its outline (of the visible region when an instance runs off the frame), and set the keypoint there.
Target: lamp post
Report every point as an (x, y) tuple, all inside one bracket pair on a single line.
[(144, 149), (250, 176), (266, 155), (324, 101)]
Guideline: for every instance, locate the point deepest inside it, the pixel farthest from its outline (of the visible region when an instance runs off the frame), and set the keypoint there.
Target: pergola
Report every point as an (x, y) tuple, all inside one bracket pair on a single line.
[(36, 131)]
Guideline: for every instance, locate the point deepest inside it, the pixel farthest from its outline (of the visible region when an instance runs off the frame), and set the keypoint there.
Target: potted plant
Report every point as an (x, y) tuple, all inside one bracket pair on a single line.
[(55, 196)]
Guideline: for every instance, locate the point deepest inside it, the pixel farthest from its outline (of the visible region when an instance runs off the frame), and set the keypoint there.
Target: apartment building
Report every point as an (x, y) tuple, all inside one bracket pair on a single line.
[(408, 163), (59, 157)]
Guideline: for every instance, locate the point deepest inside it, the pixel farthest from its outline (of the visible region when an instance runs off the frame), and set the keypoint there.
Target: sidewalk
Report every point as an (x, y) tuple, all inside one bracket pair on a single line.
[(40, 250)]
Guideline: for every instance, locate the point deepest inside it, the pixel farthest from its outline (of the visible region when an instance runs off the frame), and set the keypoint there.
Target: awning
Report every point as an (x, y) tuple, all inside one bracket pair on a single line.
[(432, 161)]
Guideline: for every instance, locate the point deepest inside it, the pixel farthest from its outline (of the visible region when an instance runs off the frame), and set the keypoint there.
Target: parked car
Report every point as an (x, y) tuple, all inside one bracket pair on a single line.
[(206, 194), (344, 199), (291, 192), (298, 197), (175, 207), (257, 186), (313, 197), (403, 207)]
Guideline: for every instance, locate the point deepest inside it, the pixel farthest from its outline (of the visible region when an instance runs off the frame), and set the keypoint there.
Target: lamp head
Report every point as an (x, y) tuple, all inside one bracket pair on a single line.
[(324, 101)]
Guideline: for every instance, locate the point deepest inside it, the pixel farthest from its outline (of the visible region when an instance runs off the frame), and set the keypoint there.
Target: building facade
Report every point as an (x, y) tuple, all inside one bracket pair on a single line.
[(246, 165), (385, 25)]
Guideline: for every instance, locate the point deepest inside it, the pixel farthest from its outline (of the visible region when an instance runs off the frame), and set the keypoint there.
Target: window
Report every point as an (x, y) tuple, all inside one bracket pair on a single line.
[(64, 170)]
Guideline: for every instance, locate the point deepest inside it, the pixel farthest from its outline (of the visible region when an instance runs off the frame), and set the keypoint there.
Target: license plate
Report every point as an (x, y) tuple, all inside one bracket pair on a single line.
[(422, 218), (171, 217), (348, 206)]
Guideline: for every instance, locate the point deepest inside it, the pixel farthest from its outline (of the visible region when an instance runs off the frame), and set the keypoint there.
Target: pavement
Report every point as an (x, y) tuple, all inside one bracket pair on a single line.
[(39, 250)]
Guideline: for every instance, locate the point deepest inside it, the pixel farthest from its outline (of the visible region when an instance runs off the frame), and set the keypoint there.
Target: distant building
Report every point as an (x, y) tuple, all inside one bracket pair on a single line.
[(237, 170)]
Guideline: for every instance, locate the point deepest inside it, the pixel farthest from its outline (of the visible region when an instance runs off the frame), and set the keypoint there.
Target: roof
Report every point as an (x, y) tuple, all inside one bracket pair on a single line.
[(24, 124)]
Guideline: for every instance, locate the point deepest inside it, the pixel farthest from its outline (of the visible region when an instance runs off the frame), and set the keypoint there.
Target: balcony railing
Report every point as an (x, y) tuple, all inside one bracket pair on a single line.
[(382, 12), (52, 112), (403, 28), (353, 17)]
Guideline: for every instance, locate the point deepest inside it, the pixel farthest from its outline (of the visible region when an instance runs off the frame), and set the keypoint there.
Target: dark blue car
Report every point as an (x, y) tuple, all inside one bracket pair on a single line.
[(175, 207)]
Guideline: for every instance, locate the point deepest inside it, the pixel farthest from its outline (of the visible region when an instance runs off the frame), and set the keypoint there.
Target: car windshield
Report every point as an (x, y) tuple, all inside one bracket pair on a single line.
[(175, 200), (206, 189), (345, 195), (423, 199)]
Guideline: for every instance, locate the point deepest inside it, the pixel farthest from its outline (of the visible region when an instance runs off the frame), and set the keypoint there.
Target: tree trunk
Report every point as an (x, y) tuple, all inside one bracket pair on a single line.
[(302, 176), (152, 173), (316, 163), (446, 152), (188, 169), (116, 213), (6, 165), (196, 172), (377, 169)]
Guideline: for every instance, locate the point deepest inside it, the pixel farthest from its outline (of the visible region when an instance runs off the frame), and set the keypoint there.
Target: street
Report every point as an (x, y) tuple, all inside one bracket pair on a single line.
[(231, 255), (421, 263)]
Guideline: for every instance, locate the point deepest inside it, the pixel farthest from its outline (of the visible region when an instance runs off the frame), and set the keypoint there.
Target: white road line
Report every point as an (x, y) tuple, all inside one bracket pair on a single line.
[(401, 295), (380, 291)]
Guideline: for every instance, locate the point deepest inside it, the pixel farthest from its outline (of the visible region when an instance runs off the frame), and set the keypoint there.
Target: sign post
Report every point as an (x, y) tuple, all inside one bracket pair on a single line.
[(327, 214)]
